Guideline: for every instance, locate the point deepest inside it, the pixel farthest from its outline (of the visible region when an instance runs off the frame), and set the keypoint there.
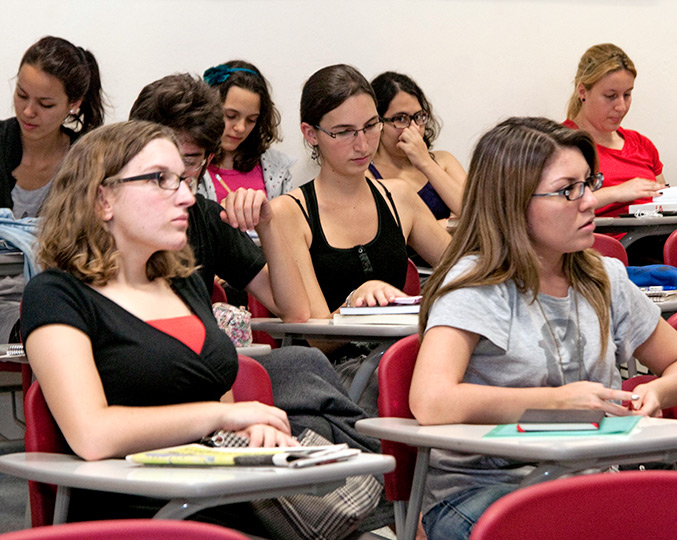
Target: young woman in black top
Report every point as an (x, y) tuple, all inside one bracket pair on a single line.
[(118, 329), (348, 234)]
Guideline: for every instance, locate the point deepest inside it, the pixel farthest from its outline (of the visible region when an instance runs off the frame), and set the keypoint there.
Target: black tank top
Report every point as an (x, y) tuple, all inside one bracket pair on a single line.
[(340, 271)]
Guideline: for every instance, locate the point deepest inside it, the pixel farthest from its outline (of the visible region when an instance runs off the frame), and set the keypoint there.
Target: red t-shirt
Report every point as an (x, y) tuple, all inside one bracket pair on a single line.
[(637, 159)]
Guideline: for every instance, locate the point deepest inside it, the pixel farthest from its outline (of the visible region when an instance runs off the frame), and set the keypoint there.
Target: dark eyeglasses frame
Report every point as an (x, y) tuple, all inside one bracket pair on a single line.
[(594, 182), (190, 181), (416, 117)]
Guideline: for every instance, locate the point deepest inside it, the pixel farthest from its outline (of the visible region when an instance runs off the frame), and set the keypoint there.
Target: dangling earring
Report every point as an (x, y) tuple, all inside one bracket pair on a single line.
[(315, 153)]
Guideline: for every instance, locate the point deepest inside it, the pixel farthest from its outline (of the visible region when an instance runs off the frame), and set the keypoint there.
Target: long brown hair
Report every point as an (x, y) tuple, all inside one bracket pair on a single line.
[(73, 236), (505, 170)]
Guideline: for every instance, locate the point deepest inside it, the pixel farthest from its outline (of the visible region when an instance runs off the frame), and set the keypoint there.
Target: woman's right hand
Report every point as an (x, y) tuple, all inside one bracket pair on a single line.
[(592, 395), (637, 188), (243, 414), (374, 293)]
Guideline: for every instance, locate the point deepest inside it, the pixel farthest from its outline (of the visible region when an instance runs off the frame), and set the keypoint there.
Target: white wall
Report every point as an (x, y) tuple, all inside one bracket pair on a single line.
[(478, 60)]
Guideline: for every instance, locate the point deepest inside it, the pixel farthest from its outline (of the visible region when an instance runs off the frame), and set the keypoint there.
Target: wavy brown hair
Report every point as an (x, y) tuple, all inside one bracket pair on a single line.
[(73, 236), (267, 129), (505, 171), (597, 62)]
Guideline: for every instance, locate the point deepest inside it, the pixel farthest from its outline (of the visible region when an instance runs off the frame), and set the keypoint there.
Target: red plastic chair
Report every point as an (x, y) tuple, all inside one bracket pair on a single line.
[(610, 247), (128, 529), (218, 293), (637, 504), (412, 283), (670, 249), (257, 309), (405, 485), (43, 434)]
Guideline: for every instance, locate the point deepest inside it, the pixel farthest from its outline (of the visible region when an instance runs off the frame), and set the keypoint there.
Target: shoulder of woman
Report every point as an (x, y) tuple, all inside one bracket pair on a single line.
[(277, 158)]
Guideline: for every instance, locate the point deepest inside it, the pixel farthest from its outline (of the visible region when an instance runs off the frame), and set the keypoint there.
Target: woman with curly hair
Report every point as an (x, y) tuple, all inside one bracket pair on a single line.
[(245, 159)]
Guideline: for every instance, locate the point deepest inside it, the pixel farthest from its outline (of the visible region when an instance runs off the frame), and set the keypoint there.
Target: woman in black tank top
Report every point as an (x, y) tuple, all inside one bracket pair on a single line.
[(349, 234)]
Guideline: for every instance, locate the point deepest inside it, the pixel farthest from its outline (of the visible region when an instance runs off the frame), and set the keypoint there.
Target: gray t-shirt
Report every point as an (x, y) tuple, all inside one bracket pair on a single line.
[(28, 202), (516, 349)]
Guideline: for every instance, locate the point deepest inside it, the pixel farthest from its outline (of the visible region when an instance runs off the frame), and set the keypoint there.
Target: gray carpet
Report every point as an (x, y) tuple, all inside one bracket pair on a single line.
[(13, 495)]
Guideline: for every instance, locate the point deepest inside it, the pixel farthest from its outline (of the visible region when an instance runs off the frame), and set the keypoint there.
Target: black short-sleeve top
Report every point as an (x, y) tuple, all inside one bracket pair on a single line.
[(139, 365)]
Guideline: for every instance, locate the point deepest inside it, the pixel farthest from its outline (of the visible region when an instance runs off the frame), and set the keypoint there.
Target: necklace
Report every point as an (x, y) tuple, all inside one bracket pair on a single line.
[(556, 341)]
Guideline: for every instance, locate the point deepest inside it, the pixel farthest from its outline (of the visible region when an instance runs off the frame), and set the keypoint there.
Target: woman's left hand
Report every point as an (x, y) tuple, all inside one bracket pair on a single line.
[(374, 293), (262, 435), (246, 209), (648, 403), (411, 143)]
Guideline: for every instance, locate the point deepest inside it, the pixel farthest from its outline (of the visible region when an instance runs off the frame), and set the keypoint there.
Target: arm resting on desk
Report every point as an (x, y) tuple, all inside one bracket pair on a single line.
[(438, 395)]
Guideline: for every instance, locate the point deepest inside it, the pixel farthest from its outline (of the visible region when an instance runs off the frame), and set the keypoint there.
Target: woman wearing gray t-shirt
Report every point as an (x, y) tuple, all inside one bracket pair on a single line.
[(521, 305)]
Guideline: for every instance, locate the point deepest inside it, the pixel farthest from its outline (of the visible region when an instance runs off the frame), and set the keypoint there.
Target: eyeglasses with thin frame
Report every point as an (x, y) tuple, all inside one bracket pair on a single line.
[(403, 120), (164, 180), (346, 135), (194, 163), (576, 190)]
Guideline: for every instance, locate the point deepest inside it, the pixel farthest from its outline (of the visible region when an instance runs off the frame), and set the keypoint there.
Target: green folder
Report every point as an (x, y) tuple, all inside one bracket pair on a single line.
[(611, 425)]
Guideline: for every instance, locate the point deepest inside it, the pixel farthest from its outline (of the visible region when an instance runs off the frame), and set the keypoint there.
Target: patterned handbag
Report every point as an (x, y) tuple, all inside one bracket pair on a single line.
[(235, 322)]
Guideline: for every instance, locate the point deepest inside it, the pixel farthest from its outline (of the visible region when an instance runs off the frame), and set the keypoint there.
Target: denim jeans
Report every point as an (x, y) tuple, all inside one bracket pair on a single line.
[(455, 517)]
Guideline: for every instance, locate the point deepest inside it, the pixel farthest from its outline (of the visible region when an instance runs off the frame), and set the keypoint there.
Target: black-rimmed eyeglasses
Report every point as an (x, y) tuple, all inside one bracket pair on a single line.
[(576, 190), (164, 180), (403, 120)]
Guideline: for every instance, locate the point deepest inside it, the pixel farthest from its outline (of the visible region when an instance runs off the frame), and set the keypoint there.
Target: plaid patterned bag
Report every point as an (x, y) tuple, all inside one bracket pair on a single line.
[(333, 516)]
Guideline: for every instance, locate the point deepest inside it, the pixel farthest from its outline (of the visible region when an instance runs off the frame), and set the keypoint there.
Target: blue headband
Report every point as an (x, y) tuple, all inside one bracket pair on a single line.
[(219, 74)]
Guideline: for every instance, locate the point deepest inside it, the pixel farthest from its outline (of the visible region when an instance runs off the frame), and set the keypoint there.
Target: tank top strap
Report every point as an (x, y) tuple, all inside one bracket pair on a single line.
[(375, 172), (309, 196), (378, 196)]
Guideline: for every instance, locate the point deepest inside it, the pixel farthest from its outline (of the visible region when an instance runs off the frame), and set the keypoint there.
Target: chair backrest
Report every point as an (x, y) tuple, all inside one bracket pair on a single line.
[(43, 434), (128, 529), (610, 247), (412, 283), (637, 504), (257, 309), (670, 249), (252, 382), (394, 379), (629, 385), (218, 293)]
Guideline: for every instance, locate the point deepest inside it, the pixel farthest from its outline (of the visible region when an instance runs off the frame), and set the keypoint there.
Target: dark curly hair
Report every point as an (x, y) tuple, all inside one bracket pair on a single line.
[(266, 131), (387, 85)]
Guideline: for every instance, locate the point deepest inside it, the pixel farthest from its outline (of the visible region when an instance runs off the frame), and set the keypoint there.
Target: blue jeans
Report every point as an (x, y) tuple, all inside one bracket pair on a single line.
[(455, 517)]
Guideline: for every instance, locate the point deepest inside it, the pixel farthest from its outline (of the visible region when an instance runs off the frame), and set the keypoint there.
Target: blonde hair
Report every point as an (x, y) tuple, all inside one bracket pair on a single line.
[(505, 171), (73, 236), (597, 62)]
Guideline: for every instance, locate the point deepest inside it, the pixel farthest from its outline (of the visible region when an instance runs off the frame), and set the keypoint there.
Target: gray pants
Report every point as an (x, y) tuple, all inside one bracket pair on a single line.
[(307, 387)]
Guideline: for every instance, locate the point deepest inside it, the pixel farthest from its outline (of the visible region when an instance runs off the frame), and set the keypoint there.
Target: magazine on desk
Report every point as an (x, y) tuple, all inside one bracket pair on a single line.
[(294, 457)]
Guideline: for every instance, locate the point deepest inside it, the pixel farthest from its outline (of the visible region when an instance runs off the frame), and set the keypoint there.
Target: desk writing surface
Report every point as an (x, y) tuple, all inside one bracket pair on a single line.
[(651, 435), (327, 327), (121, 476)]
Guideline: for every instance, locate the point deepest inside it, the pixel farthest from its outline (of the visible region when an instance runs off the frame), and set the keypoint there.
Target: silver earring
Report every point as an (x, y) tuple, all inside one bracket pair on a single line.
[(315, 153)]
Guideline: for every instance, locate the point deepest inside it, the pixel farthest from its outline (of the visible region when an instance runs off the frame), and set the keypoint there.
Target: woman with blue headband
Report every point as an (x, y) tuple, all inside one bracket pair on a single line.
[(245, 159)]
